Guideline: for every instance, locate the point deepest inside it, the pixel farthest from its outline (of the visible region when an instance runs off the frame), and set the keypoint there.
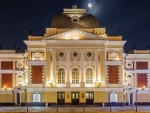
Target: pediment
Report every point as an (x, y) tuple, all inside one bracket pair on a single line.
[(75, 34)]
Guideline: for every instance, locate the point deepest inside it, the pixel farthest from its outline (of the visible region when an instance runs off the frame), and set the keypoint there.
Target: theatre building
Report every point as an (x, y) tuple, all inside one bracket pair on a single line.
[(74, 62)]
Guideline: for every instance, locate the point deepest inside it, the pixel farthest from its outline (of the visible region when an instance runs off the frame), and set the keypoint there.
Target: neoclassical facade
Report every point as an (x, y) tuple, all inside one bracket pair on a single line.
[(74, 62)]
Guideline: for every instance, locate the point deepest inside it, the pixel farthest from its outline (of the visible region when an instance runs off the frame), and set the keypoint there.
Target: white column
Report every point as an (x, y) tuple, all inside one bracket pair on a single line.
[(82, 83), (103, 67), (135, 65), (96, 63), (53, 64), (68, 67)]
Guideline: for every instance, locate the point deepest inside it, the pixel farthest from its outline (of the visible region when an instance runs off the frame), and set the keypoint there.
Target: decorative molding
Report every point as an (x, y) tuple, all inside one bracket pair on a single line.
[(113, 63), (29, 42), (11, 55), (115, 42), (37, 63), (75, 41), (37, 49), (75, 31)]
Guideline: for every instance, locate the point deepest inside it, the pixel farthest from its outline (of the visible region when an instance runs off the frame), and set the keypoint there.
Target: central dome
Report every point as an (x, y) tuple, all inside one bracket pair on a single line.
[(74, 18)]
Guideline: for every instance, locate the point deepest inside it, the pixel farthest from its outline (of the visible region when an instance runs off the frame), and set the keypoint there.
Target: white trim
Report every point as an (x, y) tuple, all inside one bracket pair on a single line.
[(37, 63), (7, 71), (61, 66), (75, 31), (36, 49), (72, 67), (75, 41), (33, 42), (113, 62)]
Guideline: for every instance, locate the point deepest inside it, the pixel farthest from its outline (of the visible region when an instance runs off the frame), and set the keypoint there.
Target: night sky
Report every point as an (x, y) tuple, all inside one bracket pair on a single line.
[(17, 17)]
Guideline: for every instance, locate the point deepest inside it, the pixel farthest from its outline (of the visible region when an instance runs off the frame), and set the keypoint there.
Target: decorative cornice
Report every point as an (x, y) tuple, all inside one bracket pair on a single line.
[(29, 42), (11, 55), (75, 41), (80, 32), (115, 42)]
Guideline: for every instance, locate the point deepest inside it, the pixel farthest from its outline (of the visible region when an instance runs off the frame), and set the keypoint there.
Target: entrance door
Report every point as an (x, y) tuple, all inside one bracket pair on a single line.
[(75, 98), (18, 98), (89, 98), (131, 98), (61, 98)]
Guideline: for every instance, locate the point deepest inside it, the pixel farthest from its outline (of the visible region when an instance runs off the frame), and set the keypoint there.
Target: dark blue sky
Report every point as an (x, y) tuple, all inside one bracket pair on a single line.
[(18, 16)]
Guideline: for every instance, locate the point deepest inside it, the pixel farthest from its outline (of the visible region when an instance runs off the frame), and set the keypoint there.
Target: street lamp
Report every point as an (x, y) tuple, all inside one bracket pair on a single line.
[(99, 83)]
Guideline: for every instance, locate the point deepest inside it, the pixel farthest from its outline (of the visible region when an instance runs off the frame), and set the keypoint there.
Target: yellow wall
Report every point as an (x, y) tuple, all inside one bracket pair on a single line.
[(82, 97), (67, 97), (6, 98), (29, 96), (101, 96), (48, 96)]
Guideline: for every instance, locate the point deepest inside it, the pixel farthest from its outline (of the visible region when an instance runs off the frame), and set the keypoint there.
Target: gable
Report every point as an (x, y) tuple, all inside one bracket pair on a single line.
[(75, 34)]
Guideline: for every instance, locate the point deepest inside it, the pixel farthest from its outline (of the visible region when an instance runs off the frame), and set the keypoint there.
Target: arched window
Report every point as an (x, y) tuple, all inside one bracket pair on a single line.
[(75, 75), (89, 75), (61, 75)]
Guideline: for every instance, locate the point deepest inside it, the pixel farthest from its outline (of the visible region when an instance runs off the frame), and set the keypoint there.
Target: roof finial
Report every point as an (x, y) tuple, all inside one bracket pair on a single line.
[(30, 32), (74, 6), (119, 32)]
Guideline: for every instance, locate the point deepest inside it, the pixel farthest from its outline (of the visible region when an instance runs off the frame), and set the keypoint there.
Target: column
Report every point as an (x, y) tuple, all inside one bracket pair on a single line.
[(134, 65), (68, 67), (96, 64), (47, 67), (103, 67), (82, 83), (148, 75), (53, 65)]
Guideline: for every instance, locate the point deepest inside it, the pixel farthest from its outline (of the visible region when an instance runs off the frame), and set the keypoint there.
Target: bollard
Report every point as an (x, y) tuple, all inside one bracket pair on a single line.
[(83, 107), (56, 107)]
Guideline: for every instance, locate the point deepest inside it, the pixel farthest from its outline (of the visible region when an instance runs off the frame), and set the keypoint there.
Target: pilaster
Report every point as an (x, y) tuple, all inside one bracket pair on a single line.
[(82, 83), (29, 74), (96, 63), (68, 68), (53, 64), (134, 65), (47, 67), (148, 76), (103, 67), (14, 80)]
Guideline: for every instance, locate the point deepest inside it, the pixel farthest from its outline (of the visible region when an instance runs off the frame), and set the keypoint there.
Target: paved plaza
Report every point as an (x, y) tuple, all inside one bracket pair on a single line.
[(75, 109)]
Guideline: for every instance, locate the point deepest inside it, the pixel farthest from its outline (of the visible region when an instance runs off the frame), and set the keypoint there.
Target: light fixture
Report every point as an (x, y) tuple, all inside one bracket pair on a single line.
[(143, 87), (5, 87), (99, 83), (51, 83)]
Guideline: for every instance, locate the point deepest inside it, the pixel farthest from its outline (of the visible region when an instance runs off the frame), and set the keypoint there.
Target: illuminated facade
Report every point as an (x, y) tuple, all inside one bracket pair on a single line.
[(74, 62)]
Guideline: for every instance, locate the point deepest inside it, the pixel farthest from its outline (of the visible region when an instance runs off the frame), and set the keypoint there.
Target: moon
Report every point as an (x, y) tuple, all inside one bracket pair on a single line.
[(89, 5)]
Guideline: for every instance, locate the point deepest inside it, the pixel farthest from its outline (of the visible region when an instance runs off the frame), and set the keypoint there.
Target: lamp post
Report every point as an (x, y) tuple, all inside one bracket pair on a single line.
[(25, 90), (136, 99), (13, 97)]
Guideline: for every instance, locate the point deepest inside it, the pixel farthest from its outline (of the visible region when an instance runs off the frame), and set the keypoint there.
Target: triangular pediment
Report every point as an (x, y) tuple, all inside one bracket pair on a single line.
[(75, 34)]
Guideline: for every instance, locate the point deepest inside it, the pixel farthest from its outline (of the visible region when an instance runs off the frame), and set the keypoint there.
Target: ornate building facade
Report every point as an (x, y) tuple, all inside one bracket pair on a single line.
[(74, 62)]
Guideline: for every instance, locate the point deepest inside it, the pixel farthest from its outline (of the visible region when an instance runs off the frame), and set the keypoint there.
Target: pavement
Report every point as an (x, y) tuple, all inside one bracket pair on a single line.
[(75, 109)]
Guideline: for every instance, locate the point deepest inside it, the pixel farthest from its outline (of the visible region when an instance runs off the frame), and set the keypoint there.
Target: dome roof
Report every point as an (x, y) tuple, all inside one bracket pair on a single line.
[(74, 18)]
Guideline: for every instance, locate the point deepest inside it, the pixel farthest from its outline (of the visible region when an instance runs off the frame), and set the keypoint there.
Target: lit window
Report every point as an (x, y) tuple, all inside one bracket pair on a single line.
[(75, 75), (61, 75), (89, 75)]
